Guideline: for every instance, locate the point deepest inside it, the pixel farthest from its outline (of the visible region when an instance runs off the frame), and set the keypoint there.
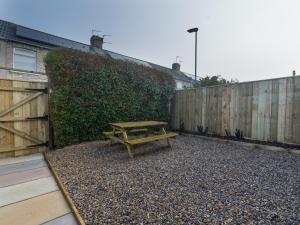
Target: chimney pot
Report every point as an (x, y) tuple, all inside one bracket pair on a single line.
[(176, 66), (96, 42)]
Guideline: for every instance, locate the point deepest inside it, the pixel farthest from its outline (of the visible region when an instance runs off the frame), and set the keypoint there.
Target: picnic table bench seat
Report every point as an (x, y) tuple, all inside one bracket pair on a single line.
[(151, 138), (110, 133)]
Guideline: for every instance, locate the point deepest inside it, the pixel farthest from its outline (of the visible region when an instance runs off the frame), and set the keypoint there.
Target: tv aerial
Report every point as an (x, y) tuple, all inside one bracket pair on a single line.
[(106, 35), (95, 32), (177, 58)]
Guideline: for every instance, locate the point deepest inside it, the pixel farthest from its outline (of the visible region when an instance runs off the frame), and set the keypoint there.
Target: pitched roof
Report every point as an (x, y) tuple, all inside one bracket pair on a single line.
[(21, 34)]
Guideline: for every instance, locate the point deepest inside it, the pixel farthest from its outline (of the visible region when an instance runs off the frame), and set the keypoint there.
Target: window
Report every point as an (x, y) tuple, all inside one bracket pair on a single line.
[(178, 85), (24, 59)]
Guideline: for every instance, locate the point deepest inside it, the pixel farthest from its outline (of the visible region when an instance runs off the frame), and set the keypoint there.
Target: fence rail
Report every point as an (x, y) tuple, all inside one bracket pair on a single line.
[(266, 110)]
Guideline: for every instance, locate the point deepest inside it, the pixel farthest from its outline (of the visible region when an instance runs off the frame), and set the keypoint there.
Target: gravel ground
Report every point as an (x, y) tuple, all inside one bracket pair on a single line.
[(197, 182)]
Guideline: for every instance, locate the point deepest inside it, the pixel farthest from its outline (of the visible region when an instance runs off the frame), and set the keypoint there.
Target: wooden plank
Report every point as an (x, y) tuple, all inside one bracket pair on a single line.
[(187, 113), (219, 109), (186, 110), (22, 102), (6, 138), (110, 133), (36, 210), (274, 110), (182, 108), (18, 149), (18, 111), (267, 112), (296, 119), (193, 110), (261, 110), (204, 106), (232, 112), (23, 166), (43, 126), (178, 110), (208, 109), (288, 130), (177, 116), (281, 110), (126, 125), (248, 131), (24, 176), (151, 138), (23, 191), (241, 107), (21, 134), (225, 121)]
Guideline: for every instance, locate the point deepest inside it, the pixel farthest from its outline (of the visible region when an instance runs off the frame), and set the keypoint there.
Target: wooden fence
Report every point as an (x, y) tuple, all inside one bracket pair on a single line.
[(264, 110), (23, 117)]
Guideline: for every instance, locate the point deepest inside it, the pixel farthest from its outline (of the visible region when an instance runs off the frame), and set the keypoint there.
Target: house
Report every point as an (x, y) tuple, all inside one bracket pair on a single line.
[(22, 51)]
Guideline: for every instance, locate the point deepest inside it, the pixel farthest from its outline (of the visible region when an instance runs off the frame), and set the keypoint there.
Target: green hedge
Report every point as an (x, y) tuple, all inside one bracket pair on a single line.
[(88, 91)]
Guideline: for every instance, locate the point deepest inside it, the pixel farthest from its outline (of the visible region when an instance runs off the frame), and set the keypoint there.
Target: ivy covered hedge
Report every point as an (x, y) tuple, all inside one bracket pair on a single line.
[(88, 91)]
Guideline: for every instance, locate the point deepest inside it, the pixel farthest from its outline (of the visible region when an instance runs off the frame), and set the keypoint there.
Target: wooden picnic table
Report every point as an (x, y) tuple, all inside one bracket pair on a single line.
[(121, 133)]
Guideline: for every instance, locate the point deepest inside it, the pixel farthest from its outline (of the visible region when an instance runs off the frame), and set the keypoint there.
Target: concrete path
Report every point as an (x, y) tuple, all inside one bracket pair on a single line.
[(29, 195)]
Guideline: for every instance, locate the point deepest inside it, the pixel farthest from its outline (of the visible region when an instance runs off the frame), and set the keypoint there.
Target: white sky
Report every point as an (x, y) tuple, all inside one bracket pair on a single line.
[(243, 39)]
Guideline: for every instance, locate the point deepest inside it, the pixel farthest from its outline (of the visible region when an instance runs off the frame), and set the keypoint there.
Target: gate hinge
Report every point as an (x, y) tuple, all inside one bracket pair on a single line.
[(46, 144), (38, 118), (44, 90)]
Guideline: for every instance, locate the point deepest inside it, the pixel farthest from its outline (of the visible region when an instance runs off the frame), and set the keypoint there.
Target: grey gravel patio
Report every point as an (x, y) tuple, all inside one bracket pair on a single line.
[(196, 182)]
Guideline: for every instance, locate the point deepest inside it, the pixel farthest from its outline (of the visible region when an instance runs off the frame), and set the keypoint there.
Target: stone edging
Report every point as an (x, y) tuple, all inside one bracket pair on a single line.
[(253, 145)]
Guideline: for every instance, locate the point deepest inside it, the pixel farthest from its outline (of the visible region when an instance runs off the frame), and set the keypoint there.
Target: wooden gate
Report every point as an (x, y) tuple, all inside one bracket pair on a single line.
[(23, 117)]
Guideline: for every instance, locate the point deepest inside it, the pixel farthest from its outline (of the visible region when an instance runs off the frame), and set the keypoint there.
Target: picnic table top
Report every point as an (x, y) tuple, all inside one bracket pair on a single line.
[(138, 124)]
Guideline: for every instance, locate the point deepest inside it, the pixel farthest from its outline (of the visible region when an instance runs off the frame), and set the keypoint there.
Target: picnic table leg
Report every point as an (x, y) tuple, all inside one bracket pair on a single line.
[(168, 141), (129, 150), (113, 134), (129, 147)]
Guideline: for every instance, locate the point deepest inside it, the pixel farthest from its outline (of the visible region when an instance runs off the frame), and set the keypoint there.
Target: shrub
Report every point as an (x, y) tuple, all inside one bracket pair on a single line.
[(89, 91)]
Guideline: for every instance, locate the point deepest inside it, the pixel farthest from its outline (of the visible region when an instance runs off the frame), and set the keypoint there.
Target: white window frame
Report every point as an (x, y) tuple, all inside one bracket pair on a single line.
[(24, 49)]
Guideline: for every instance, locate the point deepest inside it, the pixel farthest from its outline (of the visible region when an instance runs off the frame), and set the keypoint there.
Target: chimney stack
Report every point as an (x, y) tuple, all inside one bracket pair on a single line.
[(176, 66), (96, 42)]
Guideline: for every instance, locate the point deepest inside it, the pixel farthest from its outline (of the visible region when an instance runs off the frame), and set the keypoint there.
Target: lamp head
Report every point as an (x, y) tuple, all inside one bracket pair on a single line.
[(192, 30)]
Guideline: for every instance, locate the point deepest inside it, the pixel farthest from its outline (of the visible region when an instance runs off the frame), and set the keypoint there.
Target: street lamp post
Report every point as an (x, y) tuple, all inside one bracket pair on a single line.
[(195, 30)]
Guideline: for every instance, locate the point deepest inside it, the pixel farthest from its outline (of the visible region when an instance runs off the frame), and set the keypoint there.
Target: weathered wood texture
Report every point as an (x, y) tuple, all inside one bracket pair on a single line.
[(266, 110), (17, 132)]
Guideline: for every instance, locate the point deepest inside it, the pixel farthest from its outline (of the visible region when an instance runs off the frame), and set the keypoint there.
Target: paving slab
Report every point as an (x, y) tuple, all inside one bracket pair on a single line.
[(7, 161), (67, 219), (23, 191), (22, 166), (25, 176), (36, 210)]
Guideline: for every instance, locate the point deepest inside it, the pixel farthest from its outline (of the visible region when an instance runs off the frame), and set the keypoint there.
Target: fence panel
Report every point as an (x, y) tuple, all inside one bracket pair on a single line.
[(23, 117), (266, 110)]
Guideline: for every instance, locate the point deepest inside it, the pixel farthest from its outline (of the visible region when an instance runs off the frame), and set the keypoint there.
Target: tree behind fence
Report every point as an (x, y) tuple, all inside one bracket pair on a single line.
[(266, 110)]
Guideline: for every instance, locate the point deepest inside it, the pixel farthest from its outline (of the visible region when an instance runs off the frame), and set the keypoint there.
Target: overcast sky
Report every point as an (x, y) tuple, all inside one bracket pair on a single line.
[(243, 39)]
